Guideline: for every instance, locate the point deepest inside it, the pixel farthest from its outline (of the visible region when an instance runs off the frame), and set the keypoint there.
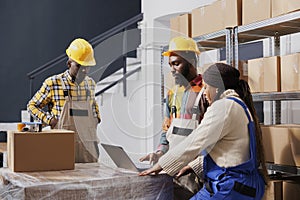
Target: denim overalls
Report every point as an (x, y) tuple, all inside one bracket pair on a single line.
[(242, 182)]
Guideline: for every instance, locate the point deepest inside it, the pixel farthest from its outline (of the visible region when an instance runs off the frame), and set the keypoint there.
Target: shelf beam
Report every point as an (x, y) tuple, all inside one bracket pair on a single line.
[(274, 96)]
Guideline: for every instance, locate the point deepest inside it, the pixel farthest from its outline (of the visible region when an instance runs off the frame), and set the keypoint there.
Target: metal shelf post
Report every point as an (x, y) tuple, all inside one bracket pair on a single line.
[(229, 46)]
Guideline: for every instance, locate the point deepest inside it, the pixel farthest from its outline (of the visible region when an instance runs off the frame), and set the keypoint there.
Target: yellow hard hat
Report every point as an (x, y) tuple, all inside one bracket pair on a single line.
[(81, 51), (182, 44)]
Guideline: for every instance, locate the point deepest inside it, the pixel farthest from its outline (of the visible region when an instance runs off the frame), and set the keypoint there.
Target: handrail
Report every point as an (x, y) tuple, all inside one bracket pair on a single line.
[(117, 81), (94, 41)]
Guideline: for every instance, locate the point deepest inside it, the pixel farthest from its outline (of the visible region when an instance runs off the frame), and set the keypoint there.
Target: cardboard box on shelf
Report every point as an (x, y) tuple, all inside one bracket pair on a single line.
[(281, 145), (290, 76), (181, 25), (232, 13), (280, 7), (43, 151), (264, 74), (284, 142), (262, 10), (215, 17), (206, 19)]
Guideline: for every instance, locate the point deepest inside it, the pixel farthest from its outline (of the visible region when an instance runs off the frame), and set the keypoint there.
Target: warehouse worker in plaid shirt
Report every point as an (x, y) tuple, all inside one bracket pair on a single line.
[(185, 104), (71, 97)]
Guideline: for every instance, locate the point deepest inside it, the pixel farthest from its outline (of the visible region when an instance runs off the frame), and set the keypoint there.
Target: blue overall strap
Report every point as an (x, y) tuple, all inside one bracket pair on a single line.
[(251, 128), (243, 105)]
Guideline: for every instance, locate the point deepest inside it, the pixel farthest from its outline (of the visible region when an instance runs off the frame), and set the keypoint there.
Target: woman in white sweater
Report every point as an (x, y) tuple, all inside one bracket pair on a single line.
[(229, 138)]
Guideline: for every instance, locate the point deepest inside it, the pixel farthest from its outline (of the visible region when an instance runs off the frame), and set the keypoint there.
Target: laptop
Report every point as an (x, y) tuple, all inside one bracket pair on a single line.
[(122, 160)]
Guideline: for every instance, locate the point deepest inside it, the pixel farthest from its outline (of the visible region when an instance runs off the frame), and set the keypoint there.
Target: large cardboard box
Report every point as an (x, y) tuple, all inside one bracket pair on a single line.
[(280, 7), (264, 74), (284, 141), (41, 151), (181, 25), (290, 75), (215, 17), (262, 10)]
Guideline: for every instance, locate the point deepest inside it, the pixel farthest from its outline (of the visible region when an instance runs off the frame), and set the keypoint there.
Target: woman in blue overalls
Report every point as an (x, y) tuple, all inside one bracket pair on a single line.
[(228, 137)]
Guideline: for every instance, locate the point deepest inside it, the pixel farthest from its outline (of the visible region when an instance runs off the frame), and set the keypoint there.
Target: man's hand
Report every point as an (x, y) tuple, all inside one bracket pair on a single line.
[(53, 122), (152, 157), (184, 171), (155, 169)]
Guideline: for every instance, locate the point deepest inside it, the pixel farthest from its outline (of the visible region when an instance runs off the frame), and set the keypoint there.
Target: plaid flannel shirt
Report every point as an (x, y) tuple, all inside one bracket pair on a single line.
[(51, 94)]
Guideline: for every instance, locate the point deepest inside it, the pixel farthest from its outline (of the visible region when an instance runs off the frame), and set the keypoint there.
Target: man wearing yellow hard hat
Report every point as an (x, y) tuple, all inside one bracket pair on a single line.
[(185, 106), (71, 96)]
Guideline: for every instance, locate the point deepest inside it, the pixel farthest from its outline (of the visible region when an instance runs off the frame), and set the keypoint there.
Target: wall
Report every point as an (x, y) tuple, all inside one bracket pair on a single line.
[(34, 32)]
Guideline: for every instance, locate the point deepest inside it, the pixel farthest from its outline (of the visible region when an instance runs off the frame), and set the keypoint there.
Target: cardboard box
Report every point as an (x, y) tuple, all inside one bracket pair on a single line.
[(262, 10), (284, 142), (181, 26), (234, 7), (264, 74), (42, 151), (215, 17), (290, 74), (206, 19), (281, 146), (280, 7)]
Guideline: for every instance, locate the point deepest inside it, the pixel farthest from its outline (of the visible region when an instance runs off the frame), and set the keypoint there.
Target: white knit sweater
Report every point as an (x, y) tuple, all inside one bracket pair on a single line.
[(223, 133)]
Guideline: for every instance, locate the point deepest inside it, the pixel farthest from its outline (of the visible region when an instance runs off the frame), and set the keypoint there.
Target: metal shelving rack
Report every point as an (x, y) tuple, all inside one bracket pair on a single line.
[(272, 28), (269, 28)]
